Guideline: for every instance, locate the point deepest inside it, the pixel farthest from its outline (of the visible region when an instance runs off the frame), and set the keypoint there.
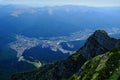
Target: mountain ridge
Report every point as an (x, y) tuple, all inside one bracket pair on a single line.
[(101, 43), (102, 67), (94, 46)]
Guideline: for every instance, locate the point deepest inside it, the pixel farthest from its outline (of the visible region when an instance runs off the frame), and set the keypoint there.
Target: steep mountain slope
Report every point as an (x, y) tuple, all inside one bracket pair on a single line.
[(98, 43), (102, 67)]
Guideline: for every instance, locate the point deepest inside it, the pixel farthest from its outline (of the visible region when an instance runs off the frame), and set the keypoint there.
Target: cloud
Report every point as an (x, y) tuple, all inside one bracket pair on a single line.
[(63, 2)]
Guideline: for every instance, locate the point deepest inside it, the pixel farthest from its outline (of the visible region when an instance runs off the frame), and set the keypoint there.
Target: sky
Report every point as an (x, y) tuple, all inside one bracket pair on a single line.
[(97, 3)]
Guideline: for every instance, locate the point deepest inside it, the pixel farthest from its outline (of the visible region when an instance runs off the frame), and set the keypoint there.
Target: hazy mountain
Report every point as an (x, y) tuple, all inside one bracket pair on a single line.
[(21, 20)]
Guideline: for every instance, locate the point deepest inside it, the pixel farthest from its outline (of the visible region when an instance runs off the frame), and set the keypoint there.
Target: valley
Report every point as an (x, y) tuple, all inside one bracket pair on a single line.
[(100, 54), (33, 37), (24, 43)]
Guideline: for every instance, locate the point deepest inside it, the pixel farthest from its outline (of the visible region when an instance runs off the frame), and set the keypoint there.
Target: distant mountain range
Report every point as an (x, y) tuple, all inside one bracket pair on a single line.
[(83, 65), (23, 19)]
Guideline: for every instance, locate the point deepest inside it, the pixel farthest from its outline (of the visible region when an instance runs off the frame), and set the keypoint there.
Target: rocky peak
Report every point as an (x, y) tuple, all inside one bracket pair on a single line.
[(99, 42), (99, 32), (100, 35)]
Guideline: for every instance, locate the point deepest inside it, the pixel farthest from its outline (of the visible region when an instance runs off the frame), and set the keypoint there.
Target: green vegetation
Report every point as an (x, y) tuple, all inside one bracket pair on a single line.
[(115, 75), (36, 63), (102, 67), (60, 70)]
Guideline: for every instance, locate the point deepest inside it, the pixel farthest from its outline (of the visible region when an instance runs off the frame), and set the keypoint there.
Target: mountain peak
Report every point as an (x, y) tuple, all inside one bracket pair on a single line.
[(100, 34), (100, 31), (99, 42)]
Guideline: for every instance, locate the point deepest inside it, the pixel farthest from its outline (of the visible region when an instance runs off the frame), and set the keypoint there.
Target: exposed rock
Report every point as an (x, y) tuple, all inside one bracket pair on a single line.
[(99, 42)]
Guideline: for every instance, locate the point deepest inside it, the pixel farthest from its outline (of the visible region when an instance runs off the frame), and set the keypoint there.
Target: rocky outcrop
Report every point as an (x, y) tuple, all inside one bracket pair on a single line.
[(98, 43)]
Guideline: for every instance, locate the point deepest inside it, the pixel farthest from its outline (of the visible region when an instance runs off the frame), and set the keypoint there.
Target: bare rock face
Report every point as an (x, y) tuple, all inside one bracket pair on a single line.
[(99, 42)]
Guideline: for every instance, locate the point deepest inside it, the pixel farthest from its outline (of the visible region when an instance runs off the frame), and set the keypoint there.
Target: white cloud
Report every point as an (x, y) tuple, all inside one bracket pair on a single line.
[(64, 2)]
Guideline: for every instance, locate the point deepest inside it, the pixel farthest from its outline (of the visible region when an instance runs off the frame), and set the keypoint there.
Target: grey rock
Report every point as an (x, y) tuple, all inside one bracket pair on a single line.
[(98, 43)]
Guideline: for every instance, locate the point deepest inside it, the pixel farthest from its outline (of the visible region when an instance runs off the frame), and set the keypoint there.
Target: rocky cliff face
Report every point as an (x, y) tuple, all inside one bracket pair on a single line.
[(98, 43)]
